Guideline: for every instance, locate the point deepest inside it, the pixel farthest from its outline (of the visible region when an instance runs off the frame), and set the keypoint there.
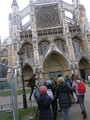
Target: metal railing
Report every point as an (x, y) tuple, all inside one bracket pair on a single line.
[(8, 96)]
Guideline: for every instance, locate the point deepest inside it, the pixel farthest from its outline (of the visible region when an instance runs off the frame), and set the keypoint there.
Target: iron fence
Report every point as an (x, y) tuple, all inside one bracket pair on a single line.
[(8, 93)]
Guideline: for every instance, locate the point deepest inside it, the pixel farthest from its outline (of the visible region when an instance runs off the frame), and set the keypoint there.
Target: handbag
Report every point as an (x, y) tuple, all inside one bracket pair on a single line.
[(72, 98), (28, 84)]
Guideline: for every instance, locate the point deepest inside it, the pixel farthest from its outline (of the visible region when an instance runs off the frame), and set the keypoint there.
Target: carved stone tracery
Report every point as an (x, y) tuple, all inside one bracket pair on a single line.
[(47, 17)]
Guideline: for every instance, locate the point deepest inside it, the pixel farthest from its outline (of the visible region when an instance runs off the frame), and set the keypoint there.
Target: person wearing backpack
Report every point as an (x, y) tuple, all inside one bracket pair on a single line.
[(80, 90)]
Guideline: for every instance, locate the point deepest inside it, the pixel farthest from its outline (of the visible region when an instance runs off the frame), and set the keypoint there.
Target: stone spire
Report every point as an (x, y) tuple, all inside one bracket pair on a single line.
[(14, 3)]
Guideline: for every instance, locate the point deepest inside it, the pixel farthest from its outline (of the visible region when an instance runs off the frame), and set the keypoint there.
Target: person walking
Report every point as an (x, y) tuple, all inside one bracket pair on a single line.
[(31, 83), (59, 75), (72, 78), (54, 102), (68, 79), (62, 92), (80, 96), (43, 100)]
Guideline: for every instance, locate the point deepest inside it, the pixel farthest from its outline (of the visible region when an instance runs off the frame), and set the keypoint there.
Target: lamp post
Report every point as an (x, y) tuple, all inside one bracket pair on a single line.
[(20, 54)]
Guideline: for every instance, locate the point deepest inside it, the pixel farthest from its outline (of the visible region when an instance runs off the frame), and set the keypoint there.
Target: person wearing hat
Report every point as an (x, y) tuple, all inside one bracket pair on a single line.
[(43, 101)]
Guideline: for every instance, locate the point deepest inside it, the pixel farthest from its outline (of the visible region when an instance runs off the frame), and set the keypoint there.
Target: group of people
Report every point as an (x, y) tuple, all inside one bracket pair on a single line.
[(51, 92)]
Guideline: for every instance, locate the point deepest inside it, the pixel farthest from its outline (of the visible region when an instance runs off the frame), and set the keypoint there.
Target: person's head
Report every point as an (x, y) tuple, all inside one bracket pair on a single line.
[(45, 82), (67, 76), (34, 75), (76, 77), (59, 75), (60, 80), (43, 90), (49, 85)]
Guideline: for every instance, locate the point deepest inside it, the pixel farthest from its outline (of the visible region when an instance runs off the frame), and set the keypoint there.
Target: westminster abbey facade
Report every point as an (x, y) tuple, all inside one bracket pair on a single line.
[(52, 41)]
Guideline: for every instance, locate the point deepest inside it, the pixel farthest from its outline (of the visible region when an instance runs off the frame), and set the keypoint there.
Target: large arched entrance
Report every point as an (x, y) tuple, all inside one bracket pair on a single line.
[(27, 70), (84, 68), (55, 64)]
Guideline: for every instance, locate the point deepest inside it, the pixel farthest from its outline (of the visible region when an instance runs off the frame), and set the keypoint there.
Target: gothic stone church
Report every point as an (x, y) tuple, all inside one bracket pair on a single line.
[(52, 41)]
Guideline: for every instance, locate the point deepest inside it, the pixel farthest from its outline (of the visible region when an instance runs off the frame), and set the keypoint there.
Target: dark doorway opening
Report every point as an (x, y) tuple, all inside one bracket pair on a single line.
[(82, 74)]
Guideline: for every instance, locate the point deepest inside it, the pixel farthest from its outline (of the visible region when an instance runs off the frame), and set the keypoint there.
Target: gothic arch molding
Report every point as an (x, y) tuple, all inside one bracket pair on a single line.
[(59, 58), (84, 57), (27, 70), (44, 39), (24, 43), (77, 36), (60, 38)]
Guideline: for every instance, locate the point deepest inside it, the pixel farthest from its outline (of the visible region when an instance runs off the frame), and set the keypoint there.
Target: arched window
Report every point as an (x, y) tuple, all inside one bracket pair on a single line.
[(4, 69), (40, 49), (43, 47), (63, 46), (76, 47), (28, 52), (4, 52)]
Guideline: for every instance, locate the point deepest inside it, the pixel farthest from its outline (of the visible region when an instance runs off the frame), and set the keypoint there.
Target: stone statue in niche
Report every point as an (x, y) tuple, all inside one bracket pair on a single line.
[(52, 47)]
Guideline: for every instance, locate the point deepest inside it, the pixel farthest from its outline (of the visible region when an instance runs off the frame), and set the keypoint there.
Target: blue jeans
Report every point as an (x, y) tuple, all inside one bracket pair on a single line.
[(81, 102), (66, 113)]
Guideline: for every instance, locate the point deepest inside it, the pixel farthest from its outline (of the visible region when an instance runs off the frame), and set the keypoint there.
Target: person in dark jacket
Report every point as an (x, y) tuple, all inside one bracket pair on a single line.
[(62, 92), (32, 84), (54, 102), (69, 80), (60, 75), (43, 101)]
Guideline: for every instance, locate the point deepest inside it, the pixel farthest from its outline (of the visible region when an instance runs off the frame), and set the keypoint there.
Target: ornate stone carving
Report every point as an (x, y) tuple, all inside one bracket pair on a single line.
[(47, 17), (52, 47), (88, 37)]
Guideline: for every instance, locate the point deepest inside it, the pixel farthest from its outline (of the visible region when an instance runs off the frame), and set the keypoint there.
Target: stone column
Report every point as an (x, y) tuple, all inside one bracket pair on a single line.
[(41, 78), (67, 35), (87, 36), (34, 34)]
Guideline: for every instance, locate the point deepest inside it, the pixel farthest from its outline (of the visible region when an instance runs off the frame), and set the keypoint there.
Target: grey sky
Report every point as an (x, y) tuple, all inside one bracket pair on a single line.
[(5, 9)]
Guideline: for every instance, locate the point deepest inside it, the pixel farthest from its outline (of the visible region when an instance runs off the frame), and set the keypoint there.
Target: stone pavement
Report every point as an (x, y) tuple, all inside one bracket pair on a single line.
[(76, 111)]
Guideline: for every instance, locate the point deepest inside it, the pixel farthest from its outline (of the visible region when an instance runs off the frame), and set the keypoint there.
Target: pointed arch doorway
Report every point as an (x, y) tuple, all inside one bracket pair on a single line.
[(84, 68), (53, 65), (27, 71)]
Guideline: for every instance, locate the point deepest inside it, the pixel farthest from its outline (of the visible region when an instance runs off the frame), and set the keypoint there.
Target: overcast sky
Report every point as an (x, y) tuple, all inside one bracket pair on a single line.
[(5, 9)]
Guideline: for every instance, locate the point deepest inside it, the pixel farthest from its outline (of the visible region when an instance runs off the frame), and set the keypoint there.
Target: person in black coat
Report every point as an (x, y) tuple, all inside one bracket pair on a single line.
[(32, 84), (43, 101), (62, 92)]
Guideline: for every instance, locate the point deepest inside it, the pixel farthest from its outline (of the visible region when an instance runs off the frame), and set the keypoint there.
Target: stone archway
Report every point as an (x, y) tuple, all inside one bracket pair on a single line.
[(83, 63), (84, 68), (54, 64), (27, 70)]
